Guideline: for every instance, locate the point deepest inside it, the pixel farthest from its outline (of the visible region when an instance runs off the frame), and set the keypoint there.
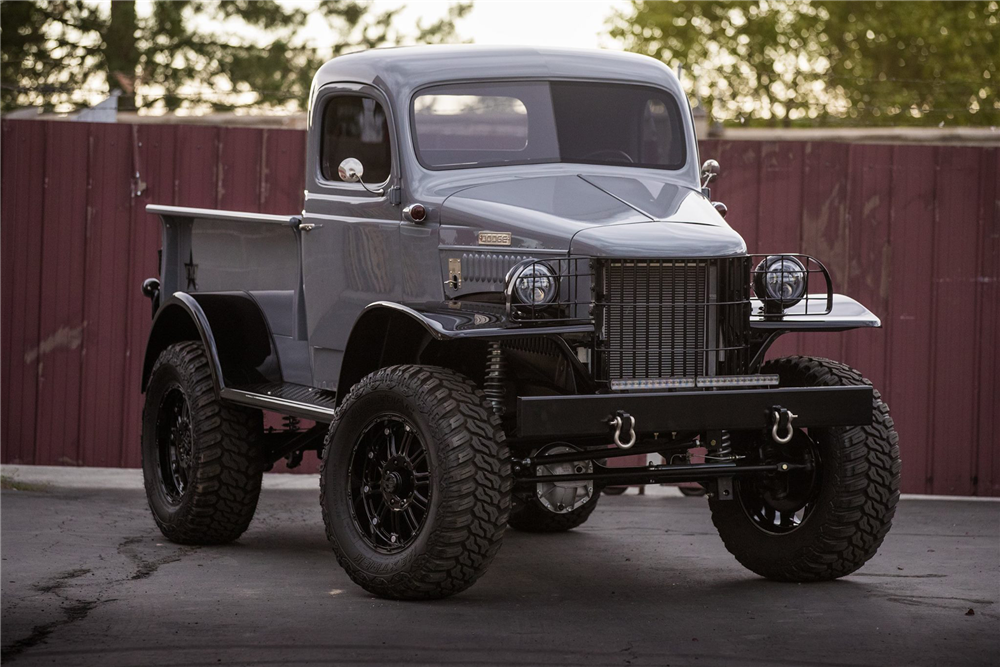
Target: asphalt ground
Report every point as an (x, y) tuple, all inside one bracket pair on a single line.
[(88, 580)]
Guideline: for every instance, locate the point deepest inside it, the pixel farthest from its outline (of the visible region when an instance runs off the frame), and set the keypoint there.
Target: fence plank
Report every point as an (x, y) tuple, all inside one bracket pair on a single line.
[(62, 322), (8, 165), (239, 171), (988, 364), (738, 186), (283, 175), (868, 249), (908, 324), (105, 309), (196, 167), (955, 279), (23, 196)]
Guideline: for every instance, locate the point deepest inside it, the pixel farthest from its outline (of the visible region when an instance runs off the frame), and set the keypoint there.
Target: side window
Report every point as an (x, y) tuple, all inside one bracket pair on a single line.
[(355, 126)]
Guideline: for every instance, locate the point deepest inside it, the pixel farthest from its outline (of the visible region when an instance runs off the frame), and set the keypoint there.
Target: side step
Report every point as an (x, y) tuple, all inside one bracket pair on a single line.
[(286, 398)]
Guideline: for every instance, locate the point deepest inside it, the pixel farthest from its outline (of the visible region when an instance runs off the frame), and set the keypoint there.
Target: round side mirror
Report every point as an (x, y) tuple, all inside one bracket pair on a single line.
[(709, 172), (351, 170)]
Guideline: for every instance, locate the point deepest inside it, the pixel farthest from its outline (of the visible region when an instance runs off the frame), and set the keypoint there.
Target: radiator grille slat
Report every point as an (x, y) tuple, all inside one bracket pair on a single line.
[(663, 318)]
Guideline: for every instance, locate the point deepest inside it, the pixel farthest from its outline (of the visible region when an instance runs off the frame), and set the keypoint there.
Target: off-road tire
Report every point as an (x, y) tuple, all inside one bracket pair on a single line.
[(227, 460), (859, 489), (470, 483), (533, 517)]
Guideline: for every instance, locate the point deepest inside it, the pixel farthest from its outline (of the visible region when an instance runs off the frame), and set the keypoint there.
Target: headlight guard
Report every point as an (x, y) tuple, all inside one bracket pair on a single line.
[(783, 281)]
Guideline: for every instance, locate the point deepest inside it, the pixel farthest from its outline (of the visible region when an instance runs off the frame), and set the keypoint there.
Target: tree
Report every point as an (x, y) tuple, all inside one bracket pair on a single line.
[(222, 54), (797, 62)]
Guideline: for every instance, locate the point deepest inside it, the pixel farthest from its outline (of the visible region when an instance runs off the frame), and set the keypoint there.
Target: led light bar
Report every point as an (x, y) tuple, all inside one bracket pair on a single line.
[(653, 383), (737, 381), (690, 383)]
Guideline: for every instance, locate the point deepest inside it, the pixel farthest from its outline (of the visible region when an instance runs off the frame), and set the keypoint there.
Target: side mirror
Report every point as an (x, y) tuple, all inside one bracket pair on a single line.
[(709, 172), (351, 170)]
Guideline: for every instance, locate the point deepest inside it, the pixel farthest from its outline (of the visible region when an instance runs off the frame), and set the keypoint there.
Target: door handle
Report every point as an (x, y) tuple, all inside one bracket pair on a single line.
[(307, 226)]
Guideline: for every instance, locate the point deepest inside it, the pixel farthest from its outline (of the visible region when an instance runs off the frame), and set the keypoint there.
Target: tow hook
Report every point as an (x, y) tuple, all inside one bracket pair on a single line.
[(781, 419), (616, 422)]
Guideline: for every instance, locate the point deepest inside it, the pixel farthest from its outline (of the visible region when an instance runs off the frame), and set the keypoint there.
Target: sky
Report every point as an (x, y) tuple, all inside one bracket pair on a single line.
[(535, 23)]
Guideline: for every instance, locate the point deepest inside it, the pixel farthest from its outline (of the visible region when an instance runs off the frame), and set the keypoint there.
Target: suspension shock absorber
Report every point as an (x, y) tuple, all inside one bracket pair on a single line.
[(496, 374), (719, 445)]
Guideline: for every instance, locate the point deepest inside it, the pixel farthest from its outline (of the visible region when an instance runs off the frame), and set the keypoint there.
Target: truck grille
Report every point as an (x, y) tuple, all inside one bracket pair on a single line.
[(677, 318)]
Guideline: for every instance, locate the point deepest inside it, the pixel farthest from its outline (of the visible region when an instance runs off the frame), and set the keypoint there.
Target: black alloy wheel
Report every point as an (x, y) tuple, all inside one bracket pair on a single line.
[(778, 503), (389, 483), (174, 443)]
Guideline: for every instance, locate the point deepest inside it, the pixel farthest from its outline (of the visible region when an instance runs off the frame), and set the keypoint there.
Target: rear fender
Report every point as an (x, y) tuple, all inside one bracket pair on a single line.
[(232, 328)]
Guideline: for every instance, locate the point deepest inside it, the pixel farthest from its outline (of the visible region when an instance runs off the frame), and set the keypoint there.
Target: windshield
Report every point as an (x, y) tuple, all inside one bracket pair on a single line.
[(488, 124)]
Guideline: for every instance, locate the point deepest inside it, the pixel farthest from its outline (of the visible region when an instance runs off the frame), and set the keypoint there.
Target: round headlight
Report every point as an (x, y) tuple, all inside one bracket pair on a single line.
[(535, 285), (780, 279)]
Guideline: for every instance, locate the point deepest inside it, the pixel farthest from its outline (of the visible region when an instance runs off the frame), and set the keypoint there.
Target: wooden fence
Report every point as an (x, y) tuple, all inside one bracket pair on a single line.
[(913, 232)]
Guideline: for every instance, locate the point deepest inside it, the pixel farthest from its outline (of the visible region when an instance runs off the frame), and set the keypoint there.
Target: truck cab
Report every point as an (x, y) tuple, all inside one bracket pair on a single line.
[(508, 270)]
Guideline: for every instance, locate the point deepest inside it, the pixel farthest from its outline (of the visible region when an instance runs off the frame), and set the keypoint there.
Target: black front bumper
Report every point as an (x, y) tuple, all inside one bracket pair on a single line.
[(540, 417)]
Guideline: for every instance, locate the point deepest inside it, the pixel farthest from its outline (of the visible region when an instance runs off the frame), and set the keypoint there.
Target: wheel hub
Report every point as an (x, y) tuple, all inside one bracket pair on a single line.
[(397, 483)]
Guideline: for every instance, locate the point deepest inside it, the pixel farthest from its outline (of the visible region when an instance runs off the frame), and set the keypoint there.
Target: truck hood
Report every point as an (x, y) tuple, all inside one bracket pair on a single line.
[(590, 214)]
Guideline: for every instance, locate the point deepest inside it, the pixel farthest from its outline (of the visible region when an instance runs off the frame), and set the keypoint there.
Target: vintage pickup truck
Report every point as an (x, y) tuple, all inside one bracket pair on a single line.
[(508, 271)]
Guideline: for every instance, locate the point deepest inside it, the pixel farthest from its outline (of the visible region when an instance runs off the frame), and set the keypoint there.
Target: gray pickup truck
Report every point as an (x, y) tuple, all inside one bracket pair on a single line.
[(508, 271)]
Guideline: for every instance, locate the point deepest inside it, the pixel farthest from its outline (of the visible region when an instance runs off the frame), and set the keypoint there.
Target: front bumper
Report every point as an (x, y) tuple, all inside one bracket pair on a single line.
[(541, 417)]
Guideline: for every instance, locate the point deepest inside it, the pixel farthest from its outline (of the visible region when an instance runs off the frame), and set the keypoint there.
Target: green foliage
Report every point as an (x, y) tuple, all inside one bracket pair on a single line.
[(193, 53), (797, 62)]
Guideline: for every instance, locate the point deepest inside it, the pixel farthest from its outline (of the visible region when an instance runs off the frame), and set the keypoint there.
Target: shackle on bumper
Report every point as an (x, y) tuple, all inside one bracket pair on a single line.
[(617, 422), (781, 420)]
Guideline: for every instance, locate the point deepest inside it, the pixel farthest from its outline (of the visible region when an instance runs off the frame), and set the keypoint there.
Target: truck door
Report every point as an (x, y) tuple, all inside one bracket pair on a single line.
[(350, 237)]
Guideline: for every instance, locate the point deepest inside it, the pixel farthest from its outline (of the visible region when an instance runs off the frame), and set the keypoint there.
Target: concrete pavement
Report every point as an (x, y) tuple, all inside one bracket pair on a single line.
[(87, 579)]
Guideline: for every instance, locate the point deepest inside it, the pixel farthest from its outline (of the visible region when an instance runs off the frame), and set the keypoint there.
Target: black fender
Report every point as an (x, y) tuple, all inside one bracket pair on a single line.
[(388, 333), (844, 314), (231, 326)]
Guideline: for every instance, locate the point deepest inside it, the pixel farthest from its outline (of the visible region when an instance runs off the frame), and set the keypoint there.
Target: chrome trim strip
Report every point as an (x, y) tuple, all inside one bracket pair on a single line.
[(213, 214), (505, 249)]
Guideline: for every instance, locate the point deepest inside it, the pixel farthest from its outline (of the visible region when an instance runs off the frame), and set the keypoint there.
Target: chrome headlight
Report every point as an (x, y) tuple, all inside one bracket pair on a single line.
[(781, 280), (536, 285)]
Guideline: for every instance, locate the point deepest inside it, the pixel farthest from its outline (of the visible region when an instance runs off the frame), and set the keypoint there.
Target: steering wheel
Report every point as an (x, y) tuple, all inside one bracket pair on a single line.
[(612, 152)]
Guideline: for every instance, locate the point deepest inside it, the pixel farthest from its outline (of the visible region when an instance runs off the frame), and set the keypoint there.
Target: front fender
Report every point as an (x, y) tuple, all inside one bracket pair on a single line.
[(388, 333), (449, 320), (845, 313)]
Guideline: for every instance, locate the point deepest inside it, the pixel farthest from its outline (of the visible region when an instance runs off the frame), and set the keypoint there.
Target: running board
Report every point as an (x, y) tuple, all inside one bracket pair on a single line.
[(286, 398)]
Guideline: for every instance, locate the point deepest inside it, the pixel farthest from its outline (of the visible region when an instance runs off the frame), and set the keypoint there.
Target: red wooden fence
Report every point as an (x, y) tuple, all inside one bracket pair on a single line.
[(911, 231)]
